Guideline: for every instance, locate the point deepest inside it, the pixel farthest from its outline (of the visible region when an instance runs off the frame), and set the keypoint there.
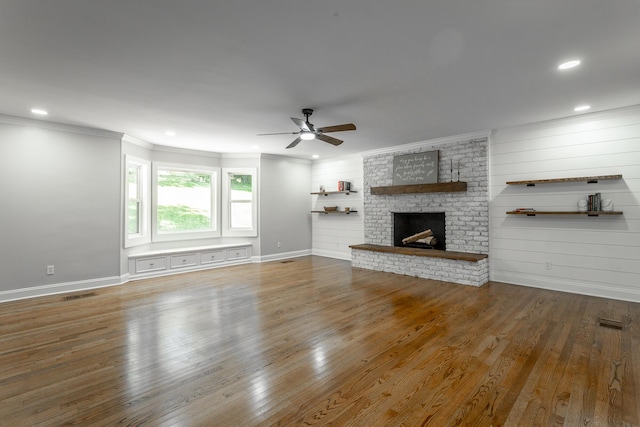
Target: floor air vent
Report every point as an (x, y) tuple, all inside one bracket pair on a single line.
[(286, 261), (79, 296), (610, 323)]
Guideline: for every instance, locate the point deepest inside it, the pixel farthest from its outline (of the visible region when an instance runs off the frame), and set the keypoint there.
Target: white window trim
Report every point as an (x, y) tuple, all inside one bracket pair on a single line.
[(144, 236), (227, 231), (215, 201)]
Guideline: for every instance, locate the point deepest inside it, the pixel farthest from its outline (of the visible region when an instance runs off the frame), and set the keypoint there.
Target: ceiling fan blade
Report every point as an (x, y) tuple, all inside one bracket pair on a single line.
[(338, 128), (294, 143), (279, 133), (329, 139), (302, 124)]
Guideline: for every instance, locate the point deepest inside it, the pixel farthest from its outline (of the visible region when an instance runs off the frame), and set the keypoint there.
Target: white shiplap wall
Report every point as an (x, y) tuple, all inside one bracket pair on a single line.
[(588, 255), (333, 233)]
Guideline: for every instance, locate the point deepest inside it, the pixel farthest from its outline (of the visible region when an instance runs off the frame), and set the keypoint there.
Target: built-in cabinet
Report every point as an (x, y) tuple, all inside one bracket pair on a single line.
[(158, 263)]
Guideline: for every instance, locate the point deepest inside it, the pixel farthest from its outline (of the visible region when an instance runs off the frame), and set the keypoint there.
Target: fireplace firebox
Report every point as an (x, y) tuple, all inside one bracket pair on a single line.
[(407, 224)]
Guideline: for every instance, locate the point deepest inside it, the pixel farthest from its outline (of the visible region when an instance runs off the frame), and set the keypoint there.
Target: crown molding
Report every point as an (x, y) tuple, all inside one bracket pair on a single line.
[(61, 127), (189, 151), (240, 155), (135, 141), (482, 135), (288, 158), (578, 118)]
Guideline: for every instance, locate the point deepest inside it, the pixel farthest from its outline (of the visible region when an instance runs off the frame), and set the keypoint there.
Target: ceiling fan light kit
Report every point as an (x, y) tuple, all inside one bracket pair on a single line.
[(308, 131)]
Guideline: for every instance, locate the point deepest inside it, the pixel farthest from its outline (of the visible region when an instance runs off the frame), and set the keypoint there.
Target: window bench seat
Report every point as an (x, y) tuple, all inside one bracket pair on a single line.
[(178, 260)]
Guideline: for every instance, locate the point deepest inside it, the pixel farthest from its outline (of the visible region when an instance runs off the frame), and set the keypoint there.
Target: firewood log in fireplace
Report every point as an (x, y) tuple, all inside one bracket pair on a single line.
[(431, 241), (421, 235)]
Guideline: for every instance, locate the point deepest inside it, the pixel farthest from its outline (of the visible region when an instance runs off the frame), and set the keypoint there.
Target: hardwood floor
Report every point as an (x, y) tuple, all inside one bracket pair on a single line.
[(311, 341)]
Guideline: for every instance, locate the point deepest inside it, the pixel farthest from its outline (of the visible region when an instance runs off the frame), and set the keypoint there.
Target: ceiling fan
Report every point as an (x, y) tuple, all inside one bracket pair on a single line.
[(309, 132)]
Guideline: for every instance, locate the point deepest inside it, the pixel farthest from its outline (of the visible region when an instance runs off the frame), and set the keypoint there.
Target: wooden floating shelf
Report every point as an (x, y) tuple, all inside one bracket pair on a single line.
[(430, 253), (326, 193), (587, 213), (335, 212), (440, 187), (587, 179)]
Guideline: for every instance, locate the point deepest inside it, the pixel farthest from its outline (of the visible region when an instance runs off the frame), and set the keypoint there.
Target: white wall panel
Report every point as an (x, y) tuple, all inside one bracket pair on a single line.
[(333, 233), (592, 255)]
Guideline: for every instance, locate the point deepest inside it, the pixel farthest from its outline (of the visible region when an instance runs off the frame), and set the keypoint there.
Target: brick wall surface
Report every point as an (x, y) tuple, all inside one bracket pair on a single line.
[(466, 213)]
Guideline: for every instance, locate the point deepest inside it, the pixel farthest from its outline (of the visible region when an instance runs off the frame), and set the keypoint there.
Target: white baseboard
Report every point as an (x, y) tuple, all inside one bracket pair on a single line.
[(83, 285), (568, 285), (284, 255), (332, 254), (60, 288)]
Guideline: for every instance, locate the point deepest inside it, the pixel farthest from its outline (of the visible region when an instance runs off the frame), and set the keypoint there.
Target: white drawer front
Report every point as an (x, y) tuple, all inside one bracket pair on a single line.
[(237, 253), (185, 260), (211, 257), (151, 264)]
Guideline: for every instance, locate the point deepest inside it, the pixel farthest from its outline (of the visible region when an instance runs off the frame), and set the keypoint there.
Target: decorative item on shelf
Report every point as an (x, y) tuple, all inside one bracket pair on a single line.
[(582, 205), (524, 210), (344, 186), (451, 176), (593, 202), (347, 209), (457, 170), (417, 168), (607, 205), (330, 208), (322, 188)]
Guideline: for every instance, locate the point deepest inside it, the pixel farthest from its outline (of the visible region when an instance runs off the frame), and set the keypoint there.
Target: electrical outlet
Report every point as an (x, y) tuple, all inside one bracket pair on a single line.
[(547, 265), (50, 270), (279, 244)]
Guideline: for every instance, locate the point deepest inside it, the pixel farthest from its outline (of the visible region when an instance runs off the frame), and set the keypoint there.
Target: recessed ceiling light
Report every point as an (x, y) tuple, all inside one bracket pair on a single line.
[(569, 64), (315, 156), (255, 147), (39, 111), (170, 133), (582, 108)]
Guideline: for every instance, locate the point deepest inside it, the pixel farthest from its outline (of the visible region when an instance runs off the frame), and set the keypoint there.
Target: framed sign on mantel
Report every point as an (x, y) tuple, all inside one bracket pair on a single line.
[(416, 168)]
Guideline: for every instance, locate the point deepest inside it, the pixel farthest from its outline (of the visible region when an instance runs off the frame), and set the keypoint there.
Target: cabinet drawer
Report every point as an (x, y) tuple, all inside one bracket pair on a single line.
[(151, 264), (237, 253), (184, 260), (211, 257)]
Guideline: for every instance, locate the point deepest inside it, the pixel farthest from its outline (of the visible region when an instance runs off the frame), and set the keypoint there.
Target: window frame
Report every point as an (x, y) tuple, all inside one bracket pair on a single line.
[(227, 202), (164, 236), (144, 191)]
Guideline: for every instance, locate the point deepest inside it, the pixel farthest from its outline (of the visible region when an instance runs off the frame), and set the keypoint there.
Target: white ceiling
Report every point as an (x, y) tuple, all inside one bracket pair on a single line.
[(219, 72)]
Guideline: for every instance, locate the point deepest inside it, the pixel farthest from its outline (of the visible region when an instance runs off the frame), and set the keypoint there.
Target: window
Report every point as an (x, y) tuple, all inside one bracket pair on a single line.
[(239, 199), (134, 199), (185, 203), (137, 202)]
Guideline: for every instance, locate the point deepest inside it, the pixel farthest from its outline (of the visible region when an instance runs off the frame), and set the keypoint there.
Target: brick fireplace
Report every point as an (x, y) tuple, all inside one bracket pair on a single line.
[(466, 215)]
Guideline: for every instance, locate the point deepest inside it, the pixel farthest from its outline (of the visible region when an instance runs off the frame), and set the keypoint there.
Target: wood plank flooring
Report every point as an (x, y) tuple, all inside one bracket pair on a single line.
[(312, 341)]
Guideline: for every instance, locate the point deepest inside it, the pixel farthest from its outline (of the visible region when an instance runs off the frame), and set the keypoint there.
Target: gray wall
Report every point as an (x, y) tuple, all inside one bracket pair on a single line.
[(60, 205), (285, 205)]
